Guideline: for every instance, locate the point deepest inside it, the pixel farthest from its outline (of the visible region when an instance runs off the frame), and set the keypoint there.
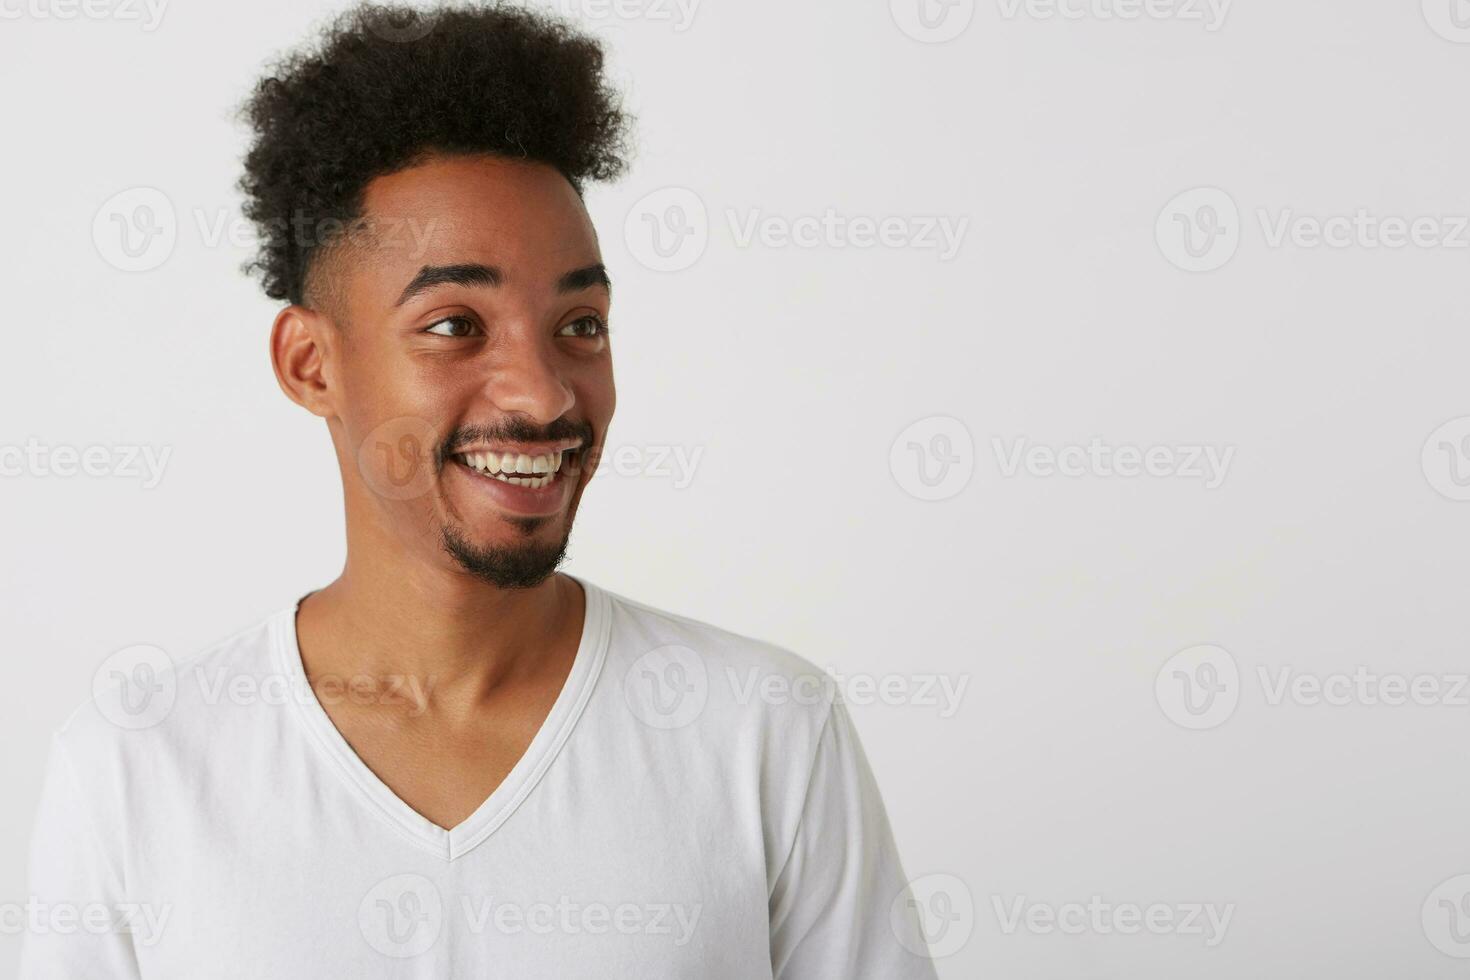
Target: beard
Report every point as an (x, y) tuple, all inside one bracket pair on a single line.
[(520, 566)]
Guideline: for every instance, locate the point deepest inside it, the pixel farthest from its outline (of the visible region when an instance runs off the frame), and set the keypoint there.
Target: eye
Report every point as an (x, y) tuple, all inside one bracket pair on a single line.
[(590, 325), (453, 326)]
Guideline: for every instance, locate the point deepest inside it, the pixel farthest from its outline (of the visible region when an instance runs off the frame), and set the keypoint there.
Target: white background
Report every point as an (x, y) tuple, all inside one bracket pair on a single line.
[(1332, 542)]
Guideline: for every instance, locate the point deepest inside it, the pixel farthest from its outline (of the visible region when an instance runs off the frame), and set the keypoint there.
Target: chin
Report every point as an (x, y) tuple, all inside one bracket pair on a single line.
[(520, 564)]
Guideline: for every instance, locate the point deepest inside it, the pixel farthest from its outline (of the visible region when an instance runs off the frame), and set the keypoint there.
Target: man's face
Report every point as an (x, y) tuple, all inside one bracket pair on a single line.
[(473, 368)]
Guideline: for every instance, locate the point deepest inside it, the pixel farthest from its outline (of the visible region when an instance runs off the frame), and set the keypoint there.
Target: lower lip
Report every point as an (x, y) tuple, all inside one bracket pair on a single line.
[(519, 500)]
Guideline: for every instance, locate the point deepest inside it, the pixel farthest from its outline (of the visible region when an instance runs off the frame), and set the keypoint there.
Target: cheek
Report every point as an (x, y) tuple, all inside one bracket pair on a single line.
[(385, 384), (396, 457), (395, 417), (597, 394)]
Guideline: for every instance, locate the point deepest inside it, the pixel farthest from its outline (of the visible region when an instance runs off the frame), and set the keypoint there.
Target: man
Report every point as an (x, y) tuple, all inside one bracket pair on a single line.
[(454, 761)]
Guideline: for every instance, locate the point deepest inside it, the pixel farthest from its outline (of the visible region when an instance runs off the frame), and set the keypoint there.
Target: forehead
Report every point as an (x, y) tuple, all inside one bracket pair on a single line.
[(523, 218)]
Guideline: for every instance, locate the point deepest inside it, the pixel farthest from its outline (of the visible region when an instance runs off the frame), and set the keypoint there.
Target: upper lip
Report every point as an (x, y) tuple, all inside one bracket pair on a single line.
[(522, 448)]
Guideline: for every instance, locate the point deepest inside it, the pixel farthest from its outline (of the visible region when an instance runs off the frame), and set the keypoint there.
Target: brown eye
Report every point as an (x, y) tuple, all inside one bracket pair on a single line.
[(584, 326), (453, 326)]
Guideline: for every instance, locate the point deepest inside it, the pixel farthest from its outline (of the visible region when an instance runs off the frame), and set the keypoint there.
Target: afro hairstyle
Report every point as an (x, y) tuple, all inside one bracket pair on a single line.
[(386, 86)]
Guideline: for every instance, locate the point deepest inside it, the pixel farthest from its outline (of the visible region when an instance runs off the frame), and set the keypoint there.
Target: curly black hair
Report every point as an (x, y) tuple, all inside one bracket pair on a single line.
[(386, 86)]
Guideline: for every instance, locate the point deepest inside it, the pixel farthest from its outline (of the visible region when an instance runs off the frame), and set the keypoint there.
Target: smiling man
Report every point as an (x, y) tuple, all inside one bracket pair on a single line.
[(453, 760)]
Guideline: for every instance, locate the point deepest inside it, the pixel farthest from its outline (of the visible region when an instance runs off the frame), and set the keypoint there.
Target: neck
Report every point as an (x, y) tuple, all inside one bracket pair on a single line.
[(395, 618)]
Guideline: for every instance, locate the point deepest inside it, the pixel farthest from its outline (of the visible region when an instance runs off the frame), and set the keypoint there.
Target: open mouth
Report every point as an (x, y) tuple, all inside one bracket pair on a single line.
[(517, 469)]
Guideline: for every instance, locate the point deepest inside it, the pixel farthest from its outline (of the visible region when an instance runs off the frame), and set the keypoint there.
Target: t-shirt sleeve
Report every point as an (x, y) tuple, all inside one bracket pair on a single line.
[(837, 907), (76, 918)]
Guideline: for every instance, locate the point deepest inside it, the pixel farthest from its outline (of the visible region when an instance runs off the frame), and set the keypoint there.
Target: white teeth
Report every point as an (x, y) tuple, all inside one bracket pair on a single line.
[(500, 466)]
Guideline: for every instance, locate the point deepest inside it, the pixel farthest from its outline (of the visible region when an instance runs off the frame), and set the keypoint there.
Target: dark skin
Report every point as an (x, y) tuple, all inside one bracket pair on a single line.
[(464, 672)]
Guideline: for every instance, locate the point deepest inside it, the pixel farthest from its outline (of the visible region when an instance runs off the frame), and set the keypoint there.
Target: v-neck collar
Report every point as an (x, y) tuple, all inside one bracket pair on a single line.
[(518, 783)]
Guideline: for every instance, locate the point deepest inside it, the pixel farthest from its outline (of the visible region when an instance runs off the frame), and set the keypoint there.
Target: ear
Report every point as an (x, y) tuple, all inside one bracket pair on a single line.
[(302, 341)]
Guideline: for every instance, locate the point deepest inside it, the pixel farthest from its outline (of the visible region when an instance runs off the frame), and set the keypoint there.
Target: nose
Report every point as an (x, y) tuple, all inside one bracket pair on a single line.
[(526, 380)]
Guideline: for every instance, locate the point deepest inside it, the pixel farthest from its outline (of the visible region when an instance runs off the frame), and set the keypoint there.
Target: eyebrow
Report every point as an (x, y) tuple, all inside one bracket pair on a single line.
[(585, 278), (475, 274)]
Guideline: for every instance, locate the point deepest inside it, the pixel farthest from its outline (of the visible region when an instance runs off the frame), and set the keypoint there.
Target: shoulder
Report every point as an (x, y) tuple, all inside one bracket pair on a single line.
[(642, 629), (145, 701), (767, 723), (725, 680)]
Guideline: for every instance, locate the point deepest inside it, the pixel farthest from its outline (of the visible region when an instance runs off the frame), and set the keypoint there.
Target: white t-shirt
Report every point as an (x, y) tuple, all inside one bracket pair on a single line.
[(696, 805)]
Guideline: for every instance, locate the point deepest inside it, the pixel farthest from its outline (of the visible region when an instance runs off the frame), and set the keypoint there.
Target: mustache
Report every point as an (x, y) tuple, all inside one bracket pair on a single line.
[(512, 429)]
